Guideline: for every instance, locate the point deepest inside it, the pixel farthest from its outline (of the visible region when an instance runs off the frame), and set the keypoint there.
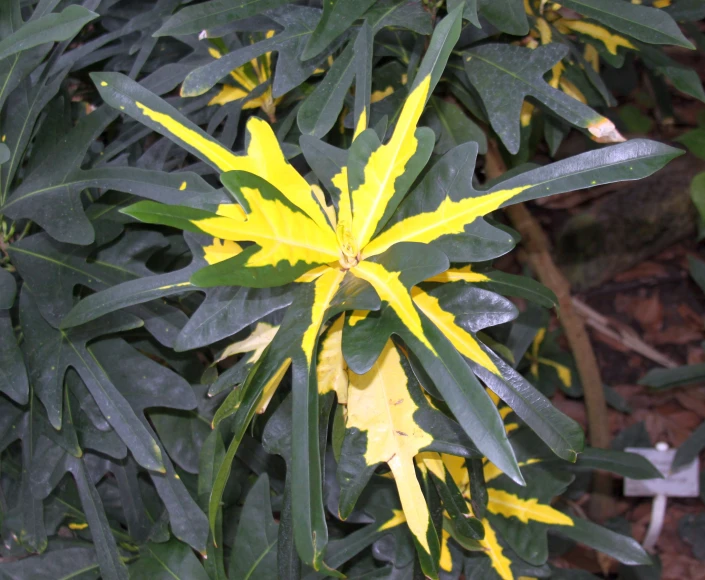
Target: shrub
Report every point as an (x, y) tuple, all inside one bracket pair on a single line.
[(308, 339)]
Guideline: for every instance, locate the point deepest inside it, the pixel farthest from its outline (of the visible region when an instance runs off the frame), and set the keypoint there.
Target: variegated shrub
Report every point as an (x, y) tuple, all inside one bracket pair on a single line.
[(350, 276)]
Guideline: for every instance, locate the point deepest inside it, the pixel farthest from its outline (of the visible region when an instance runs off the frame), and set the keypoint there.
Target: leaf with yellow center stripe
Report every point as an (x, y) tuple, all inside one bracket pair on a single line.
[(445, 210), (263, 157), (501, 283), (380, 175), (294, 346), (288, 242), (440, 304), (392, 275)]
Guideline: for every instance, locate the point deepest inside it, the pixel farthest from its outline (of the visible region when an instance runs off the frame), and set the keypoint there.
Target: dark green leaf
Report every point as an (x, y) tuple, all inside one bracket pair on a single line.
[(642, 22), (256, 540), (49, 28), (504, 75), (677, 377), (319, 112), (507, 15), (452, 127), (690, 448), (194, 19), (169, 561), (60, 563), (626, 464), (338, 16), (622, 548)]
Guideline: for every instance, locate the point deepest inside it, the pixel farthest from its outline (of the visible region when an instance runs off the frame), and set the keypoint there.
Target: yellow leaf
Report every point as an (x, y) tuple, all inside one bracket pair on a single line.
[(500, 562), (446, 561), (525, 510), (392, 291), (271, 387), (325, 288), (450, 217), (462, 340), (283, 233), (331, 370), (385, 164), (209, 148), (464, 274), (220, 250), (380, 405), (258, 340)]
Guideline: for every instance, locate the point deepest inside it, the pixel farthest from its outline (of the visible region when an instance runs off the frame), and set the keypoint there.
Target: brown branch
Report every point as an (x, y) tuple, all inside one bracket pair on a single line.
[(538, 250)]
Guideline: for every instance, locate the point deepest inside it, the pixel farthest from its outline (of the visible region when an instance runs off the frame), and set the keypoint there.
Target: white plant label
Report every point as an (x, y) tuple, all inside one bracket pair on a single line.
[(683, 483)]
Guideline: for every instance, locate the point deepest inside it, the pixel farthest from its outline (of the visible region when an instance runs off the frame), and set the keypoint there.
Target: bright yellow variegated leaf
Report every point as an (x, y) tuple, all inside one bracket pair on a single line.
[(450, 217), (380, 405), (493, 549), (611, 41), (265, 158), (325, 288), (462, 340), (392, 291), (464, 274), (220, 250), (283, 233), (331, 370), (385, 164), (507, 504), (218, 155)]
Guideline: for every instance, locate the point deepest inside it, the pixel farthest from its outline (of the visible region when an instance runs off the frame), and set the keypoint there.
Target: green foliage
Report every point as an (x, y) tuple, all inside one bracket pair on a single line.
[(249, 320)]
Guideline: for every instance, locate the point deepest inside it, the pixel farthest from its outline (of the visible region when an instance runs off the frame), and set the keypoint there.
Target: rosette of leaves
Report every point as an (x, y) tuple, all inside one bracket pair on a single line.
[(377, 264)]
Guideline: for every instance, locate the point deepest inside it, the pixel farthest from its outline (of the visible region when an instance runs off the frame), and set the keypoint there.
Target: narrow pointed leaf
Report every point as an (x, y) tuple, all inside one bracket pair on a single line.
[(49, 28)]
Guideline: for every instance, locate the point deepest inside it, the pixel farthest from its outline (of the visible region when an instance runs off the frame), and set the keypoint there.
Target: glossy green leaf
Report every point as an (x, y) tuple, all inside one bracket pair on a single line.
[(622, 548), (626, 464), (48, 28)]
